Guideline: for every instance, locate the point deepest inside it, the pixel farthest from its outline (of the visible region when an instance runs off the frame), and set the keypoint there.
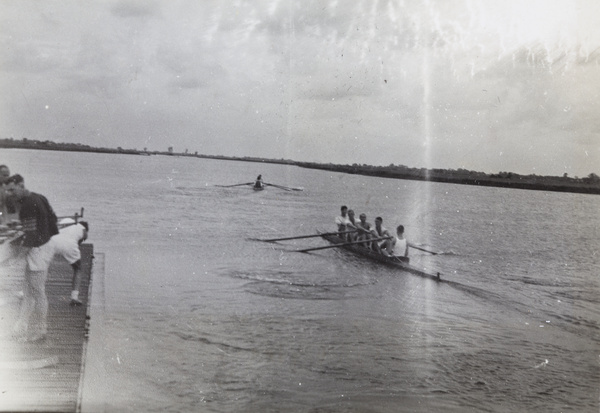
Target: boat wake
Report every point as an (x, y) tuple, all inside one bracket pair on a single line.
[(284, 284), (297, 279), (275, 277), (304, 292)]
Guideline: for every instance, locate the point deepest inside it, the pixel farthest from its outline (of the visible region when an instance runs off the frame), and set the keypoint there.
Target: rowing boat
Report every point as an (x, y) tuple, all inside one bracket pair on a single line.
[(398, 262)]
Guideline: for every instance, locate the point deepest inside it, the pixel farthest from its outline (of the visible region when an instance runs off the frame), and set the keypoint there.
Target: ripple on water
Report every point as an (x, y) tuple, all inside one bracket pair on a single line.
[(301, 285)]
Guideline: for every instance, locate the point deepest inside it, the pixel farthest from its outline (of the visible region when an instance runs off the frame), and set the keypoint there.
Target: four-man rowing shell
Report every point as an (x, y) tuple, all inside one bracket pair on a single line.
[(399, 262)]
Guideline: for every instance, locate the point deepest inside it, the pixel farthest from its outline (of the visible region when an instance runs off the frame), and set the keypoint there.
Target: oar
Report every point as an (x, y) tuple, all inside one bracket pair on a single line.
[(423, 249), (343, 244), (76, 216), (229, 186), (280, 187), (286, 188), (305, 236)]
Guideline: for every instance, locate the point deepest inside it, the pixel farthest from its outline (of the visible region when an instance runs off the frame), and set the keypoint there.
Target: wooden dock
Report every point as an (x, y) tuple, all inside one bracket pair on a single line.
[(45, 376)]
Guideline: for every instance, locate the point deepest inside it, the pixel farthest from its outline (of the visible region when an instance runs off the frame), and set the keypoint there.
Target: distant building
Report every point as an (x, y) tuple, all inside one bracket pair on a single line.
[(170, 149)]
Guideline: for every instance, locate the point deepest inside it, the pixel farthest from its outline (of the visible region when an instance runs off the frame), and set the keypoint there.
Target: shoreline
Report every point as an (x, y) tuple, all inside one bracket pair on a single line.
[(588, 185)]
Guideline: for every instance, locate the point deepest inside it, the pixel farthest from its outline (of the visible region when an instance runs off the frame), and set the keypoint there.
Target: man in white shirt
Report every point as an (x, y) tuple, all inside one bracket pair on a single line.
[(66, 243), (343, 222), (397, 246)]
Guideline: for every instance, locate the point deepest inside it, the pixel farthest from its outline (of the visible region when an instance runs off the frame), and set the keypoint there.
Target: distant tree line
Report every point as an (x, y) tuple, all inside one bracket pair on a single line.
[(589, 184), (53, 146)]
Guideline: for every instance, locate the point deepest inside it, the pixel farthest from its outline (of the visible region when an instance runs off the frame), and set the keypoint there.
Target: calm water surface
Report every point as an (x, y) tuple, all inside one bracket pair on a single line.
[(200, 316)]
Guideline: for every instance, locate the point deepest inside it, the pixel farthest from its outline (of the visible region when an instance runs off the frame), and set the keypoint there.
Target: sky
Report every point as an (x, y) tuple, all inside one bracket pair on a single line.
[(482, 85)]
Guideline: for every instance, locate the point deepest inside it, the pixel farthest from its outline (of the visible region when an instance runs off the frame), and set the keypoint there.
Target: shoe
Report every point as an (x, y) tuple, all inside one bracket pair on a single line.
[(75, 303)]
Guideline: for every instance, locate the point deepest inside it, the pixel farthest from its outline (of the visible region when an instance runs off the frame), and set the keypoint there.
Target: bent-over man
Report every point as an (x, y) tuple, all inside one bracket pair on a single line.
[(66, 243)]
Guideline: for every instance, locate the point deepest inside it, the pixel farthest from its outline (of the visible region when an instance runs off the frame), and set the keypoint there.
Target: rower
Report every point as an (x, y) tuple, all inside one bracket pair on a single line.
[(343, 221), (364, 230), (259, 182), (397, 246), (352, 237), (379, 232)]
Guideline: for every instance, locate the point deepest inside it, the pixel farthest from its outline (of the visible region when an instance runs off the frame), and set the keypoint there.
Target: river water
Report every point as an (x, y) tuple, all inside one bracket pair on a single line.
[(201, 316)]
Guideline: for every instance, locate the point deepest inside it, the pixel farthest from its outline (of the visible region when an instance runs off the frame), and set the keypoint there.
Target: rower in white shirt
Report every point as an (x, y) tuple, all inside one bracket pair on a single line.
[(343, 221), (397, 246)]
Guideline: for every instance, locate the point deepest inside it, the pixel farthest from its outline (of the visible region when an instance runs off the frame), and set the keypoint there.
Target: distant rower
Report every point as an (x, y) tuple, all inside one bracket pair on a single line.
[(259, 182)]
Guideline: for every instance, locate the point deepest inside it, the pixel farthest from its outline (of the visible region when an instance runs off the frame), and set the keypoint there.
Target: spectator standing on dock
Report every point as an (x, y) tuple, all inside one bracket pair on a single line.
[(39, 225), (66, 243), (4, 175)]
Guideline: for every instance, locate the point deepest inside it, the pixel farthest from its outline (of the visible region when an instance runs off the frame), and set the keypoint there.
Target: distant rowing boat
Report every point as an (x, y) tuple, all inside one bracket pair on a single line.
[(263, 185), (398, 262)]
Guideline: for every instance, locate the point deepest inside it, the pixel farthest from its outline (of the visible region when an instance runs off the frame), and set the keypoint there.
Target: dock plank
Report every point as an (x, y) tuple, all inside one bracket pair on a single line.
[(45, 376)]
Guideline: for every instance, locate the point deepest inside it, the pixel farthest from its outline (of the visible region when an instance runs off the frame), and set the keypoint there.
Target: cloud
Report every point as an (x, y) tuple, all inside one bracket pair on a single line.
[(25, 58), (189, 83), (438, 84)]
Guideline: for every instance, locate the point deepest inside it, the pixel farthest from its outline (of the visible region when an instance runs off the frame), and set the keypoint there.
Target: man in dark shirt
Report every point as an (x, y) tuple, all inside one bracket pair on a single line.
[(39, 225)]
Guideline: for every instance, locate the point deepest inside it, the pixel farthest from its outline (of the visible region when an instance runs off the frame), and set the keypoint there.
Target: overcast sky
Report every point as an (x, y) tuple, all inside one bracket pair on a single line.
[(511, 85)]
